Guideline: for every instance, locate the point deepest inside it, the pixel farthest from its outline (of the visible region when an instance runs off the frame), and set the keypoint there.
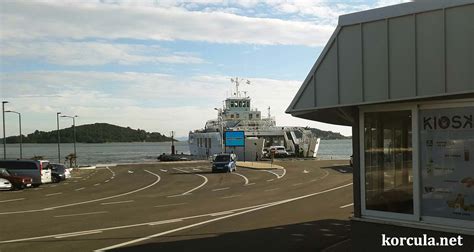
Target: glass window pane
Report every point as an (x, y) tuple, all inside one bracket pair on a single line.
[(447, 162), (388, 161)]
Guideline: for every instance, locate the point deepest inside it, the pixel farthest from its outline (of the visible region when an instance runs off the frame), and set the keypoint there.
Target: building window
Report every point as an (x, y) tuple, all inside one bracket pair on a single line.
[(250, 116), (237, 115), (388, 161), (232, 116)]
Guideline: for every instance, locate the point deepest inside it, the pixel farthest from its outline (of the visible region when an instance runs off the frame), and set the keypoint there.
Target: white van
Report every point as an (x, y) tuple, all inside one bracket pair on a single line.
[(38, 170)]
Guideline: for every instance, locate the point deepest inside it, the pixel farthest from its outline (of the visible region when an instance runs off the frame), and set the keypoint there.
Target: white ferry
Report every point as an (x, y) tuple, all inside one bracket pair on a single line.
[(260, 133)]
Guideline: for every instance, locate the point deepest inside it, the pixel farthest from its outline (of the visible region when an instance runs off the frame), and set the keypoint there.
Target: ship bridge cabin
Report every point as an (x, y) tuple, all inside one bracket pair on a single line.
[(402, 77), (238, 108)]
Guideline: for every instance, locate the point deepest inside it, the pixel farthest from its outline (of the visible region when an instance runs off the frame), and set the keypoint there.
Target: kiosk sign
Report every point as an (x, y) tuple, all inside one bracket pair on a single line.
[(447, 162), (234, 138)]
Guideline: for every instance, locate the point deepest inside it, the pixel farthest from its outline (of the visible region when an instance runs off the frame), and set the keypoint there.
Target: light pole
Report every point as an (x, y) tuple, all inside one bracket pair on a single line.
[(4, 137), (59, 137), (221, 124), (21, 136), (74, 130)]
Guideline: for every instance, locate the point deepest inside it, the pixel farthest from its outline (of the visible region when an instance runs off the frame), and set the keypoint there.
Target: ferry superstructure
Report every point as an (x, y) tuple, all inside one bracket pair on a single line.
[(261, 132)]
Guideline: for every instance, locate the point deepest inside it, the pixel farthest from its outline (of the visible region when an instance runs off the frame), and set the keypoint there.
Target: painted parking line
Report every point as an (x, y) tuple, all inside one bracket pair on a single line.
[(52, 194), (79, 189), (164, 222), (270, 180), (348, 205), (77, 234), (10, 200), (117, 202), (269, 190), (231, 196), (98, 184), (245, 178), (158, 178), (255, 208), (220, 189), (239, 211), (250, 184), (297, 184), (80, 214), (167, 205), (194, 189)]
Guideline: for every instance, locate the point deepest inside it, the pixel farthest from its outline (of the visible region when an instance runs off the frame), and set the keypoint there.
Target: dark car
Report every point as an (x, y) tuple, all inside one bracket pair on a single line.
[(59, 173), (18, 182), (224, 162)]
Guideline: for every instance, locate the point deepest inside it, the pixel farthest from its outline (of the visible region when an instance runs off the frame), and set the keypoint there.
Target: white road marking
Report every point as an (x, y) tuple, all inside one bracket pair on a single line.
[(220, 189), (10, 200), (325, 175), (250, 209), (221, 213), (51, 194), (269, 190), (65, 183), (36, 189), (297, 184), (177, 204), (348, 205), (98, 184), (90, 201), (231, 196), (305, 171), (164, 222), (219, 218), (79, 189), (195, 169), (245, 178), (117, 202), (80, 214), (177, 195), (270, 180), (77, 234), (194, 189), (163, 170), (53, 185), (250, 184), (107, 181), (110, 170)]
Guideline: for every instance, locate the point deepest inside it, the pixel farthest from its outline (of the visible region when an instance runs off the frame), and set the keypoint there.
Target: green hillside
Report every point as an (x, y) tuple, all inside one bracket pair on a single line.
[(92, 133)]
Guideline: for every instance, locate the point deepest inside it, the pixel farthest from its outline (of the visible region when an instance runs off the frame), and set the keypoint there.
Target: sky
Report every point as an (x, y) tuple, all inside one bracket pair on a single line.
[(159, 65)]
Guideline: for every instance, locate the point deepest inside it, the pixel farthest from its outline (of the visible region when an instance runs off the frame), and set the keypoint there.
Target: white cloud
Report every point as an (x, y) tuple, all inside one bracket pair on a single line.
[(155, 102), (93, 53), (30, 20)]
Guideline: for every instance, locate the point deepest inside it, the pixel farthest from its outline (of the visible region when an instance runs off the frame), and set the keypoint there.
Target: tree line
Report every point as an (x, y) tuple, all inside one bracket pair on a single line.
[(92, 133)]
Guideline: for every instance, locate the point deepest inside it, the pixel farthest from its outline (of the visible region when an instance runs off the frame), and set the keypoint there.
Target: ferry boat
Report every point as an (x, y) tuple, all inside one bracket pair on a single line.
[(261, 133)]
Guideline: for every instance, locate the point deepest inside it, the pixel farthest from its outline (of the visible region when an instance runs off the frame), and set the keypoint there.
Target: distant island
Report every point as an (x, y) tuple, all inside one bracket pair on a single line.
[(92, 133), (328, 135)]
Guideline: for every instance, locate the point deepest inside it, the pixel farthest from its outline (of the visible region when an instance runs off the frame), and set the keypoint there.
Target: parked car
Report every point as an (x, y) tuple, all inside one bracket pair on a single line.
[(5, 184), (224, 162), (279, 151), (18, 182), (37, 170), (59, 173)]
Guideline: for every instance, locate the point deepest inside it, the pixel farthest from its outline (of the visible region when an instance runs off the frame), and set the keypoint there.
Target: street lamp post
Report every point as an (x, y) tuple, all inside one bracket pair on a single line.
[(21, 136), (4, 137), (221, 124), (74, 130), (59, 137)]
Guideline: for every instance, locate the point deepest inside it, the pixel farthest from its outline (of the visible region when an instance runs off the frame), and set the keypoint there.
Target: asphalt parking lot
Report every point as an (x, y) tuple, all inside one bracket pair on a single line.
[(183, 206)]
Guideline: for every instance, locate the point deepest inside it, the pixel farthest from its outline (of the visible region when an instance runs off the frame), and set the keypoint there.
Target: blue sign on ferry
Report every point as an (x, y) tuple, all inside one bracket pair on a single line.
[(234, 138)]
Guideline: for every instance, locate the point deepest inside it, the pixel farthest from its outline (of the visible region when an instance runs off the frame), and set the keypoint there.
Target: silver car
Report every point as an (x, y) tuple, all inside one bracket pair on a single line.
[(5, 184)]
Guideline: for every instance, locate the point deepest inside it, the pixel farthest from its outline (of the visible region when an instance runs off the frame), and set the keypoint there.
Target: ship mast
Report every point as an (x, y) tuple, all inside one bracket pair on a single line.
[(236, 81)]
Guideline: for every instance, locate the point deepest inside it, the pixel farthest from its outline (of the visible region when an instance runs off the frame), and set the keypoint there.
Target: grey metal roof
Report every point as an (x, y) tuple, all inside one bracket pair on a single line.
[(402, 52)]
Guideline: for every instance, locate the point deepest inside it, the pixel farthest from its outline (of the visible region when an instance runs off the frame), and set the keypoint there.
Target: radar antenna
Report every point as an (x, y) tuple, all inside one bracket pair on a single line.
[(236, 82)]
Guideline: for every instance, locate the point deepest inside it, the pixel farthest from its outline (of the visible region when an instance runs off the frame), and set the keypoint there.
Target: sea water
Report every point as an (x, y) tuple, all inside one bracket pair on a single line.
[(105, 153)]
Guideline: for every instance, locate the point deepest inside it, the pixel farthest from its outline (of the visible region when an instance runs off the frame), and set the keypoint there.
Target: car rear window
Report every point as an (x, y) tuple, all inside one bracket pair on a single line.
[(20, 165), (222, 158)]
